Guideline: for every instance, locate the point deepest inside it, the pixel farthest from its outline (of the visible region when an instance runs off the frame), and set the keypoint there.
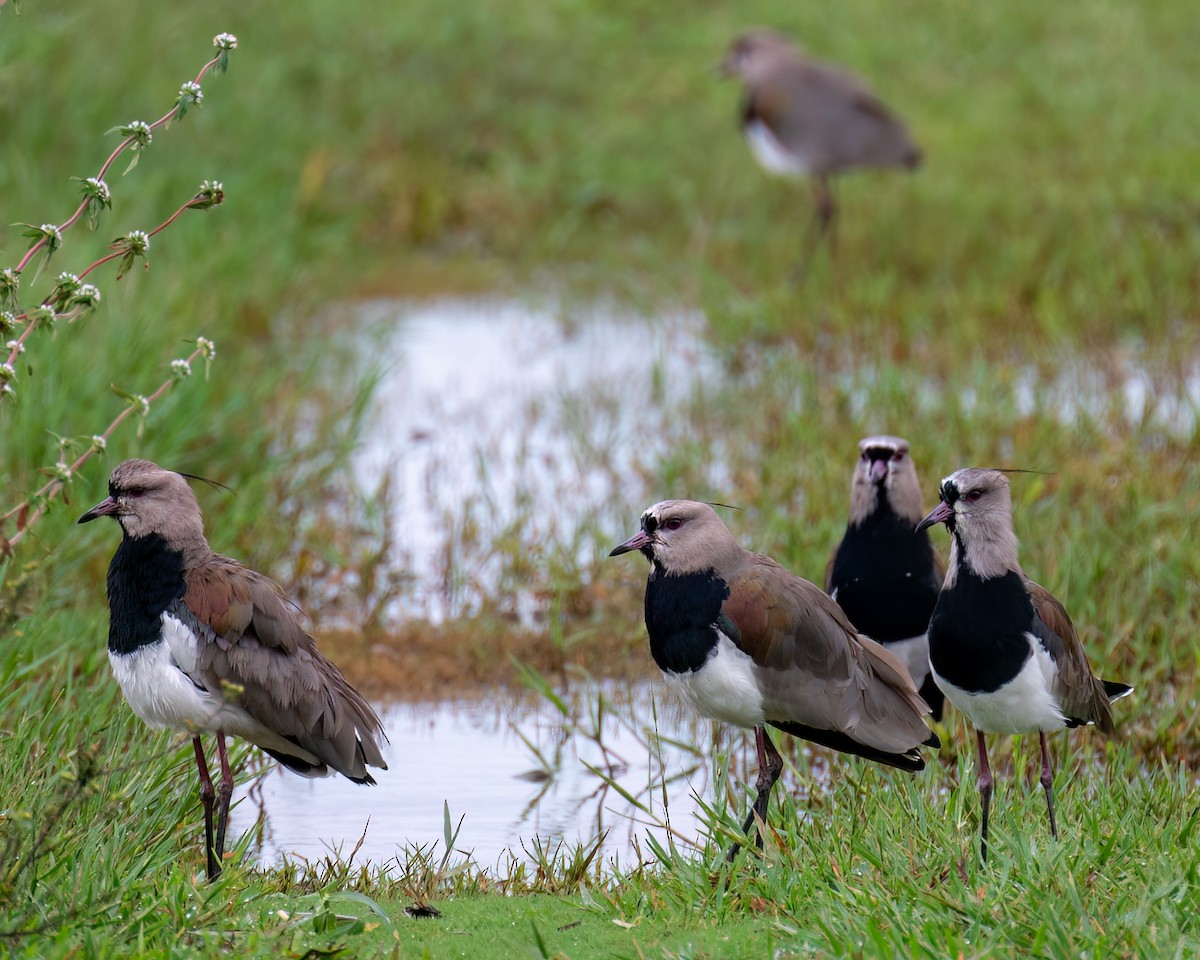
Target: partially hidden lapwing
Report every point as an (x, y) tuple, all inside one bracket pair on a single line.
[(750, 644), (1001, 647), (884, 572), (200, 643), (805, 118)]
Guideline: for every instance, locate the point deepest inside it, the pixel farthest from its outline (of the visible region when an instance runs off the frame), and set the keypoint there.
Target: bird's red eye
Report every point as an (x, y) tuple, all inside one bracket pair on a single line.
[(973, 496), (674, 523), (897, 457), (135, 492)]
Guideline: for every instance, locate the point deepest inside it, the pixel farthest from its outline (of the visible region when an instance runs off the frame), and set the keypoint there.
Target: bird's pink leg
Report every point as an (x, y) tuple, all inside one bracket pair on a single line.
[(206, 797), (1048, 783), (823, 221), (827, 213), (224, 792), (770, 766), (985, 795)]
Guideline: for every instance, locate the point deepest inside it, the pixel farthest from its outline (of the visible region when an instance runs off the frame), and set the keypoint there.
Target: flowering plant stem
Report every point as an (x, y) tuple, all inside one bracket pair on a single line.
[(71, 298), (29, 510), (112, 157), (17, 346)]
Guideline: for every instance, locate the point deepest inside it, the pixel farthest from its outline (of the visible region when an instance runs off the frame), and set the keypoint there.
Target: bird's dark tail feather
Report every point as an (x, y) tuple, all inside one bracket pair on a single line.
[(1115, 690), (306, 769), (296, 765), (1102, 716), (911, 760)]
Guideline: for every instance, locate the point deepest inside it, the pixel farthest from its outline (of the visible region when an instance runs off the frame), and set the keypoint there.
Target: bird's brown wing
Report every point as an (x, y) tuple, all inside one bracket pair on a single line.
[(839, 119), (865, 102), (259, 655), (814, 668), (1080, 695)]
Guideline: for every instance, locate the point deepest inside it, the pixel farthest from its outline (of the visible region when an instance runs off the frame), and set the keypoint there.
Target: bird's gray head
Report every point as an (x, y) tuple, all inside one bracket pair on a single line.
[(756, 53), (977, 509), (684, 536), (145, 500), (885, 471)]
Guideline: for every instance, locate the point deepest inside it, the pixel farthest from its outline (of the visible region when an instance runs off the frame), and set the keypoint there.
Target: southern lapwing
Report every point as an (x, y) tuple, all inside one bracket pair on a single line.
[(1002, 648), (748, 643), (884, 573), (803, 117), (199, 642)]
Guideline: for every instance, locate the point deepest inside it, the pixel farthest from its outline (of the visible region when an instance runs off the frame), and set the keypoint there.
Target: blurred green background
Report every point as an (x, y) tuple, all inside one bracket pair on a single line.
[(422, 148), (584, 150)]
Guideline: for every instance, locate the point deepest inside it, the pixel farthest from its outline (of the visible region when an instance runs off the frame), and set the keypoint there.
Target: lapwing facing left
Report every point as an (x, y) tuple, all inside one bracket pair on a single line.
[(805, 118), (198, 642), (750, 644), (1002, 648), (884, 573)]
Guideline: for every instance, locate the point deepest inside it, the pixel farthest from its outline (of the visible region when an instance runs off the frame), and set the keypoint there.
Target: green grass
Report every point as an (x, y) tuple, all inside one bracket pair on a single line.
[(587, 148)]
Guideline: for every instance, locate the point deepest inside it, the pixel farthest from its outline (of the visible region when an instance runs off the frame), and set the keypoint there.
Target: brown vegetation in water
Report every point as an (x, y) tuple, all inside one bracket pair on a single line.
[(418, 660)]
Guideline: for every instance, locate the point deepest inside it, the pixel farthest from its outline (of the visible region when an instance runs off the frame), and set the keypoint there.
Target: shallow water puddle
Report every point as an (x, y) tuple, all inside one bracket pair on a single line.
[(495, 417), (516, 770)]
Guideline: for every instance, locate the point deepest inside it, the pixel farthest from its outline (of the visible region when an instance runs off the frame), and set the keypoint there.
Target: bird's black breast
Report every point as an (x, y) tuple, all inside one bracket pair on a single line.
[(680, 613), (145, 576), (977, 637), (749, 112), (885, 577)]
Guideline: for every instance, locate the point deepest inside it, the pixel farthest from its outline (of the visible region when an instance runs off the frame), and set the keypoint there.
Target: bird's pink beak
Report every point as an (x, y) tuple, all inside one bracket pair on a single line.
[(105, 508), (636, 542), (939, 514), (878, 470)]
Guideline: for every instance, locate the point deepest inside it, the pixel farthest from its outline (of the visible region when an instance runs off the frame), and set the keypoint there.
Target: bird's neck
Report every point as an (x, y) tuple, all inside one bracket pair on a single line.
[(144, 578), (987, 557), (866, 501), (872, 503), (878, 513)]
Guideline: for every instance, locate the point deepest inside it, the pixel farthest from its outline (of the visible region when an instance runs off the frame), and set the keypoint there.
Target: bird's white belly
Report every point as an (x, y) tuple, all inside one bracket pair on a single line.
[(771, 154), (159, 692), (154, 683), (724, 688), (914, 654), (1024, 704)]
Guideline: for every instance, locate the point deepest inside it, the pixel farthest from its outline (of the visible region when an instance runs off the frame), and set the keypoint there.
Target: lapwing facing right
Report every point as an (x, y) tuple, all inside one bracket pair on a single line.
[(198, 642), (750, 644), (884, 573), (805, 118), (1002, 648)]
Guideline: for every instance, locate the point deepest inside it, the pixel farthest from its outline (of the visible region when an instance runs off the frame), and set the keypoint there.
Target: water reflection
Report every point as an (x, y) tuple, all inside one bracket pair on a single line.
[(494, 417), (520, 772)]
